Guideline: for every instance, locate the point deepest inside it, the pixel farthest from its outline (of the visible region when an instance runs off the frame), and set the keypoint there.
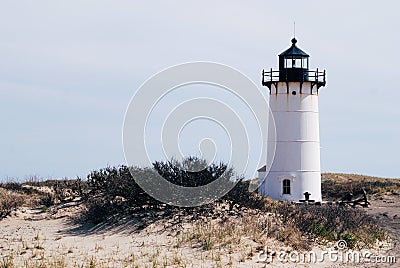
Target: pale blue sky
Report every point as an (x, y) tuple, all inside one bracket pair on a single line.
[(69, 68)]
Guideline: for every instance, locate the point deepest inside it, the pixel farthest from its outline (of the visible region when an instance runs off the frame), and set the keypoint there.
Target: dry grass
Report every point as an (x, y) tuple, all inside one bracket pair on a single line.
[(332, 222), (9, 201), (238, 229), (33, 193), (335, 186)]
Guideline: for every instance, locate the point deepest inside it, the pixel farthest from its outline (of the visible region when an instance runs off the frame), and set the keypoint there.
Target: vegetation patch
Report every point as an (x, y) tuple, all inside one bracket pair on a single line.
[(9, 201), (112, 194), (336, 186)]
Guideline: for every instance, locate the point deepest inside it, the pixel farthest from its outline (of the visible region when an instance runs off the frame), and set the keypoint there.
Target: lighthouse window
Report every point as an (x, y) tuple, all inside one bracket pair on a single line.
[(286, 186), (293, 63), (296, 63), (288, 63), (305, 63)]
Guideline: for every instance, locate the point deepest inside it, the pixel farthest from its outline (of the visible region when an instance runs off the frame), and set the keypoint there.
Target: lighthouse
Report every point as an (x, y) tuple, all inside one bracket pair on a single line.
[(295, 172)]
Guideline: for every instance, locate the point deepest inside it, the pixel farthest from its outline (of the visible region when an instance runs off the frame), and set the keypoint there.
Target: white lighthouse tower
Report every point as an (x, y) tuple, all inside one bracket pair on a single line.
[(295, 173)]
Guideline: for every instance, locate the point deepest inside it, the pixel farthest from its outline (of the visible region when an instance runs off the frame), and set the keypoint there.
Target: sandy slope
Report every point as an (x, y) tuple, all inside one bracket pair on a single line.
[(386, 209), (52, 237), (31, 237)]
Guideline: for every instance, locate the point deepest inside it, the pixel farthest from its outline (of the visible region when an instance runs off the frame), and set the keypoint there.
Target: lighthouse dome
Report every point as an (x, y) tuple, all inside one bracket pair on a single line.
[(294, 51)]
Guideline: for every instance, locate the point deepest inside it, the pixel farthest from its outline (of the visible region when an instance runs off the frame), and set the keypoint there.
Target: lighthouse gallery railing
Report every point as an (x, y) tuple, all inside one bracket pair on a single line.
[(318, 77)]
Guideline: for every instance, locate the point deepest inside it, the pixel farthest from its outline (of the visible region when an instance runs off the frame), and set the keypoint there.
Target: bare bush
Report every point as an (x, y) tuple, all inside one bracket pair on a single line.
[(9, 201), (114, 189)]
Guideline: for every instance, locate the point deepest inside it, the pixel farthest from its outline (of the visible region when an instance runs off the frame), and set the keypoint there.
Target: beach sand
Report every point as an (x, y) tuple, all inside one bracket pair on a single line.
[(53, 238)]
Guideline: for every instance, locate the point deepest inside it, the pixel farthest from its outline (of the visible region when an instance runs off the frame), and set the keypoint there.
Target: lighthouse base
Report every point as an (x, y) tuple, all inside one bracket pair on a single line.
[(292, 186)]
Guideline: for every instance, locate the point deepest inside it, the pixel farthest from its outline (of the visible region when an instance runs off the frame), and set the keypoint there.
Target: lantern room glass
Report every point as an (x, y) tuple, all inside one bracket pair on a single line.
[(304, 63), (296, 63)]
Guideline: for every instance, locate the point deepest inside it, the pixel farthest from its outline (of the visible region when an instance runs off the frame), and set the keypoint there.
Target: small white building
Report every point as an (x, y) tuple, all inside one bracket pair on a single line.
[(295, 173)]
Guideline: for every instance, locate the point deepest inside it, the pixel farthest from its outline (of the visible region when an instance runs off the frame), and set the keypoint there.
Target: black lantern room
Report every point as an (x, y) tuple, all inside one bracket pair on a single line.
[(293, 64), (294, 67)]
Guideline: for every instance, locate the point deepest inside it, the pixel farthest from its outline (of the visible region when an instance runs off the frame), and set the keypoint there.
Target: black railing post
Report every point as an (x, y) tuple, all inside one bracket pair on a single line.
[(263, 75), (271, 74)]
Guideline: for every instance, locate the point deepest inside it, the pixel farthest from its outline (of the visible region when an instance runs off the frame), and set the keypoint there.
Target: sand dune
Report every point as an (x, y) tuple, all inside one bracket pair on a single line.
[(53, 237)]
